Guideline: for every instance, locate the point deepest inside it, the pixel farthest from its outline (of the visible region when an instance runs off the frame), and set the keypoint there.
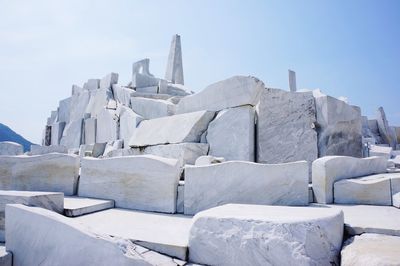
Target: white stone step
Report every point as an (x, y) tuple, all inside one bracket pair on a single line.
[(361, 219), (164, 233), (5, 257), (77, 206)]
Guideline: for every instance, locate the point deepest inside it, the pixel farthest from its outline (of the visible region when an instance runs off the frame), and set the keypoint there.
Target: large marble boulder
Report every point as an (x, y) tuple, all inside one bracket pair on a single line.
[(109, 80), (386, 132), (330, 169), (106, 126), (57, 130), (371, 250), (232, 92), (232, 134), (266, 235), (11, 148), (339, 127), (72, 134), (174, 72), (64, 108), (98, 101), (38, 150), (49, 200), (185, 153), (128, 122), (79, 102), (376, 150), (152, 108), (171, 129), (245, 182), (49, 172), (89, 132), (147, 182), (373, 190), (92, 84), (36, 236), (122, 94), (395, 187), (285, 127)]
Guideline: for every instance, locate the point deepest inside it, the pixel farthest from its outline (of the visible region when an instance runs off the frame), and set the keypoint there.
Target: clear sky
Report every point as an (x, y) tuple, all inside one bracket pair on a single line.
[(346, 48)]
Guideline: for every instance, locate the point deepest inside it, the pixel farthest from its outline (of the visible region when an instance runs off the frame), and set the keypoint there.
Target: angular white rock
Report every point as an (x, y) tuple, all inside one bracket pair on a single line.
[(236, 234), (171, 129), (98, 101), (245, 182), (122, 94), (208, 159), (72, 134), (57, 130), (92, 84), (77, 206), (185, 153), (5, 256), (387, 134), (395, 186), (285, 127), (173, 89), (128, 121), (79, 102), (232, 134), (63, 241), (112, 146), (372, 190), (382, 151), (11, 148), (232, 92), (49, 172), (64, 110), (144, 81), (174, 71), (146, 182), (180, 198), (107, 126), (371, 250), (152, 108), (38, 150), (329, 169), (90, 126), (108, 81), (48, 200)]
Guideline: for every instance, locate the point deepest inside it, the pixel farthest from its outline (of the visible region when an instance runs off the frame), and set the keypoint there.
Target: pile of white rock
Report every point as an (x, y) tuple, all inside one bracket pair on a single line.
[(153, 174)]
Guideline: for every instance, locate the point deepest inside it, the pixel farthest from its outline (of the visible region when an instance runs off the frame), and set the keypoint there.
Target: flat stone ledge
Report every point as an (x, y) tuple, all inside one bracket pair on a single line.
[(359, 219), (164, 233), (77, 206), (236, 234)]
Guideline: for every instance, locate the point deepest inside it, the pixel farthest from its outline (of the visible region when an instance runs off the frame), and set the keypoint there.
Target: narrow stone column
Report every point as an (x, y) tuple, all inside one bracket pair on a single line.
[(174, 71), (292, 81)]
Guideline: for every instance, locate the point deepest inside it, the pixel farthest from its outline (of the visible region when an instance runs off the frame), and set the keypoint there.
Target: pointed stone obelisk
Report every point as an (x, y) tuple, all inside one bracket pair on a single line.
[(174, 71), (292, 81)]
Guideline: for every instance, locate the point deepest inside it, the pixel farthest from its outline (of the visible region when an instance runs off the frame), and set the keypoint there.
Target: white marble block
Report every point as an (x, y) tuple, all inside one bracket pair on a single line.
[(79, 102), (92, 84), (174, 72), (145, 182), (90, 126), (72, 134), (109, 80), (371, 250), (395, 189), (292, 81), (37, 236), (38, 150), (99, 100), (57, 130), (208, 159), (376, 150), (236, 234), (245, 182), (339, 127), (232, 134), (48, 200), (11, 148), (232, 92), (171, 129), (330, 169), (152, 108), (387, 134), (372, 190), (106, 126), (128, 122), (122, 94), (185, 153), (64, 108), (49, 172), (285, 127)]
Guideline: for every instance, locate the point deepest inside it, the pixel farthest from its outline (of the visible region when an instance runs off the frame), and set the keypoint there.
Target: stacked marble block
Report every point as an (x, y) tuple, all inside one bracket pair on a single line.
[(347, 180)]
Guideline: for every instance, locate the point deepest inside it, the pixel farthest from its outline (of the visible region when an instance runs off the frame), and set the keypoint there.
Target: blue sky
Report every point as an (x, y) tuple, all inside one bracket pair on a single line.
[(345, 48)]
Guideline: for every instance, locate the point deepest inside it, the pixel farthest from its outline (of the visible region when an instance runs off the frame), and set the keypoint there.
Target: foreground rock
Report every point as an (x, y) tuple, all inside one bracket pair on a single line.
[(77, 206), (329, 169), (64, 240), (5, 257), (266, 235), (145, 182), (49, 172), (11, 148), (244, 182), (371, 250), (39, 150), (232, 92), (172, 129), (48, 200)]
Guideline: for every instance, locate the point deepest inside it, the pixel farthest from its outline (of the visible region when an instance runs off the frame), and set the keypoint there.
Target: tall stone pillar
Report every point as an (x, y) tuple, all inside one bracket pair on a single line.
[(292, 81), (174, 71)]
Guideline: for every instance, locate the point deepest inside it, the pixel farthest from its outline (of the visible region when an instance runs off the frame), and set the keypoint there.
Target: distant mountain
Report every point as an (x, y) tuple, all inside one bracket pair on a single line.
[(7, 134)]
